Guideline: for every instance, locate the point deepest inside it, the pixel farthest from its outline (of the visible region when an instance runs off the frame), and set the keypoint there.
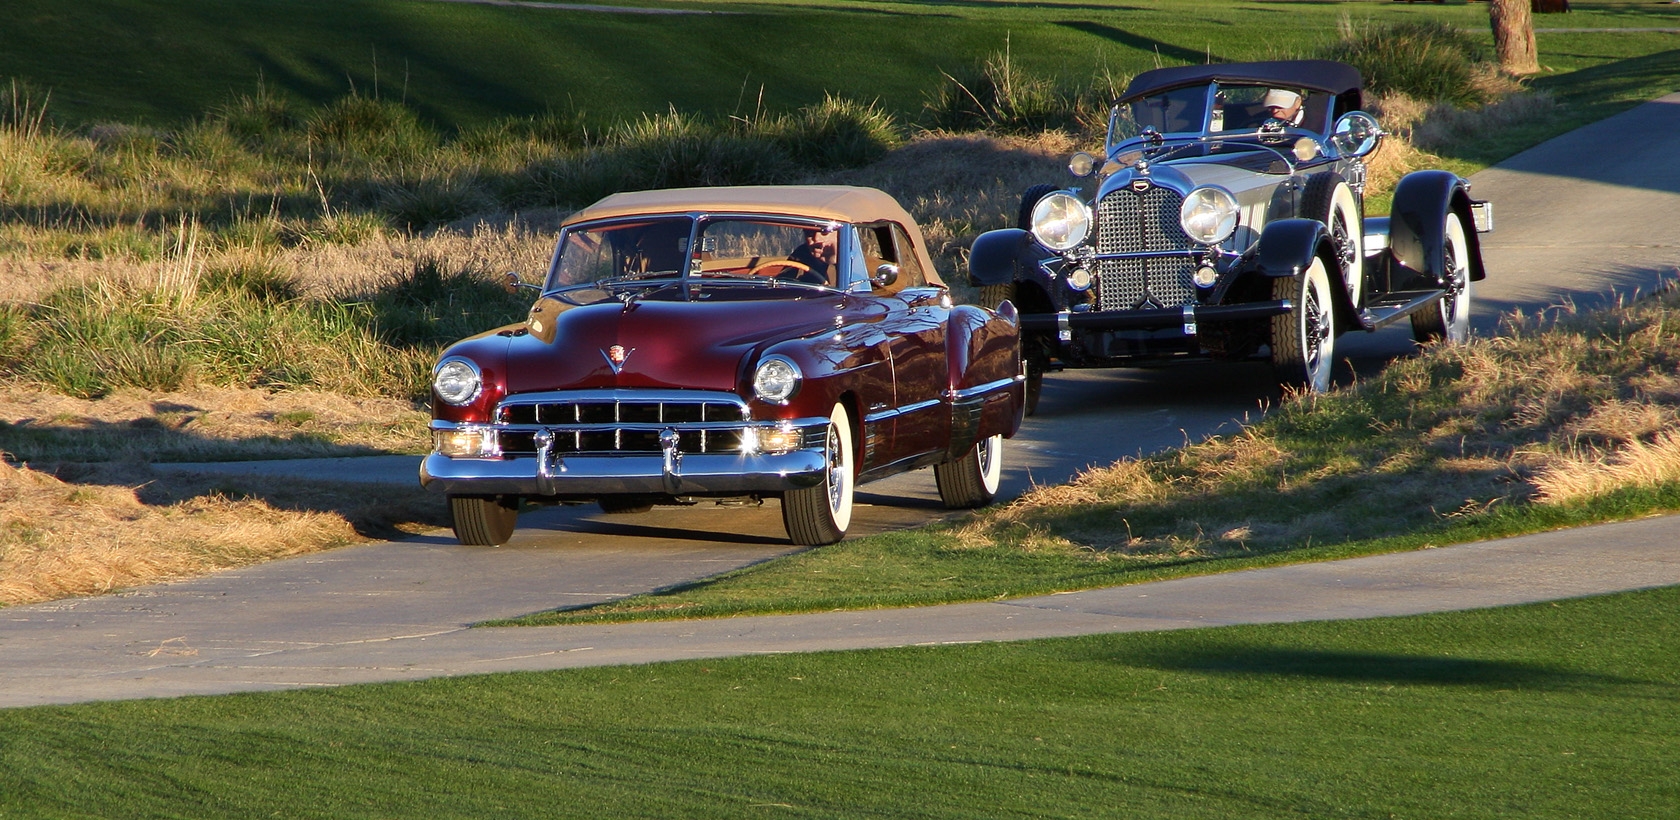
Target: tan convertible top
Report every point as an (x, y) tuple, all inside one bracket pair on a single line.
[(837, 203)]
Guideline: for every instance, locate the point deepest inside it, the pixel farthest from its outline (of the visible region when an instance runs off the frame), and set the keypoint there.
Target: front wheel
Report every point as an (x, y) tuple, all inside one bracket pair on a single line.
[(973, 479), (1304, 339), (820, 515), (1448, 320), (483, 520)]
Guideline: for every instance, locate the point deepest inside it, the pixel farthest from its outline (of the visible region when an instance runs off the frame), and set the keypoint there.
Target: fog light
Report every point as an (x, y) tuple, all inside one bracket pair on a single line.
[(1205, 277), (1079, 279), (466, 442), (773, 441)]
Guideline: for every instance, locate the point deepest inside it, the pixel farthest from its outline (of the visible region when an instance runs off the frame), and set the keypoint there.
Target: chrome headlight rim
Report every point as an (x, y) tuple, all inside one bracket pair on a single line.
[(457, 381), (776, 379), (1208, 215), (1061, 221)]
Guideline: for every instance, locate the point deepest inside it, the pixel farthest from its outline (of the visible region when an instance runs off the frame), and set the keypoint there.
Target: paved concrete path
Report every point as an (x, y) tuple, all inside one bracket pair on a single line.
[(186, 639), (1577, 217)]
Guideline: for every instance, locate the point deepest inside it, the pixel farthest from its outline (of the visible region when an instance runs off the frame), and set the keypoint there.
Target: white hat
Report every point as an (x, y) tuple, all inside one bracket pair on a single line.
[(1279, 98)]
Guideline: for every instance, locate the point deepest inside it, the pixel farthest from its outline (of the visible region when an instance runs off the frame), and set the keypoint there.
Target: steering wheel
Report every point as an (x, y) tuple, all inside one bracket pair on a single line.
[(779, 263)]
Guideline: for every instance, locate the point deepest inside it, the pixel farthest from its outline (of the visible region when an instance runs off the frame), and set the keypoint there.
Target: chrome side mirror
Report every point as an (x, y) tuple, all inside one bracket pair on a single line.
[(512, 283), (885, 275), (1356, 134)]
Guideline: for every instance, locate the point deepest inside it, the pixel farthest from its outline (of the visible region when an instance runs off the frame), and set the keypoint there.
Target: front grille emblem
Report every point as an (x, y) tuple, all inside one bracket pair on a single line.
[(1140, 185), (615, 357)]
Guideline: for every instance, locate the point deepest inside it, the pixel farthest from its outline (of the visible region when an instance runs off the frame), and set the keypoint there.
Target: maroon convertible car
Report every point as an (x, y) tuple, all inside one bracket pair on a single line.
[(751, 342)]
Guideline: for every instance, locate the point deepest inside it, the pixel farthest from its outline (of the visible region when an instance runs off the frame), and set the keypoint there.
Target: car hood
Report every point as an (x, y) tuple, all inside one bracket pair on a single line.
[(668, 344)]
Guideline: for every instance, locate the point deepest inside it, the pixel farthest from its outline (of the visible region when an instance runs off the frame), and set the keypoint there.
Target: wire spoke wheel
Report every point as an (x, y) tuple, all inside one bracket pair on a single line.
[(1448, 320), (1304, 340)]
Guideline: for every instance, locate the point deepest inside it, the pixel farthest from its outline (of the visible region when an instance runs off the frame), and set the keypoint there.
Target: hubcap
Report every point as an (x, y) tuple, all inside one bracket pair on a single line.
[(836, 470)]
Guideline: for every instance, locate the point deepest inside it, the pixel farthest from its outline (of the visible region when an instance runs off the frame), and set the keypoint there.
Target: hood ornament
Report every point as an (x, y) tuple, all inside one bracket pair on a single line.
[(615, 357)]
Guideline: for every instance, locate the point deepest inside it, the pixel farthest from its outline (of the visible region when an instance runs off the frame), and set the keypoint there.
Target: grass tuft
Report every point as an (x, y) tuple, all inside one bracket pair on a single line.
[(1428, 59)]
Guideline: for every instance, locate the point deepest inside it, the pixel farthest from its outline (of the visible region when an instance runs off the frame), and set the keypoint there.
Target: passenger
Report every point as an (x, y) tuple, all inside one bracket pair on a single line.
[(1284, 107)]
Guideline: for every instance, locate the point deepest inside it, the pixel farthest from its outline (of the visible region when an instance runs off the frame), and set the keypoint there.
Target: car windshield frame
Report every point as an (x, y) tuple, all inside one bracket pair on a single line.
[(1192, 111), (611, 257)]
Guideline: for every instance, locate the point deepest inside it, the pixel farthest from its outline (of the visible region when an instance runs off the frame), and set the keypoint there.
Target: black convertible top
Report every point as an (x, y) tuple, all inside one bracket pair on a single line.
[(1319, 75)]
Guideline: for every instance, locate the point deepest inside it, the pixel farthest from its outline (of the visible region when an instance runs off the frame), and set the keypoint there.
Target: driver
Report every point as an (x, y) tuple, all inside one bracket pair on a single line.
[(819, 252), (1284, 107)]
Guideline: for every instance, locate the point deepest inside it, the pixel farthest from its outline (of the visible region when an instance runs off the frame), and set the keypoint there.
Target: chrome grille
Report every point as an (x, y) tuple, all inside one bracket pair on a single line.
[(622, 422), (1132, 222)]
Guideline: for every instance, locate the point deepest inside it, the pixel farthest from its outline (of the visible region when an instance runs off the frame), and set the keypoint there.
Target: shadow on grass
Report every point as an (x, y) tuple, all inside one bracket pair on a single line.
[(1147, 45), (1373, 668)]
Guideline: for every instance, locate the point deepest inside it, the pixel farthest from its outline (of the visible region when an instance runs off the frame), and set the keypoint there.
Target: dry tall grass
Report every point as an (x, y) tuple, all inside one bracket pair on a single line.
[(1559, 411), (117, 527)]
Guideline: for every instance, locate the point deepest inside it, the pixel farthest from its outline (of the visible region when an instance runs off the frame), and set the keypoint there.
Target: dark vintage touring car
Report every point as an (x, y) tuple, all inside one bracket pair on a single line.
[(750, 342), (1227, 221)]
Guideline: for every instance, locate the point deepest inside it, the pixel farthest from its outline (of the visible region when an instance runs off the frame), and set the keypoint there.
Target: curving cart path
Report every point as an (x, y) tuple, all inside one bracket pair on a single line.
[(1574, 222)]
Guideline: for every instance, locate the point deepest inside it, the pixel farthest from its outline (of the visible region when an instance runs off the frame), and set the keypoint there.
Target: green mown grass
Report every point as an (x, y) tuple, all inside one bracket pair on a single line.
[(165, 61), (1541, 711)]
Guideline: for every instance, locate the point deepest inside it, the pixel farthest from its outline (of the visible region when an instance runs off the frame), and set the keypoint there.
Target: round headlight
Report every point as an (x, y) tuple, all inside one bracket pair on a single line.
[(1060, 221), (1208, 215), (776, 379), (457, 381)]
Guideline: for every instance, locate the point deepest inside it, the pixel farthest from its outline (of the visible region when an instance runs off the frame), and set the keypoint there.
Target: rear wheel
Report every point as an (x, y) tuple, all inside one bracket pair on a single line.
[(820, 514), (483, 520), (1448, 320), (973, 479), (1304, 339), (1035, 385)]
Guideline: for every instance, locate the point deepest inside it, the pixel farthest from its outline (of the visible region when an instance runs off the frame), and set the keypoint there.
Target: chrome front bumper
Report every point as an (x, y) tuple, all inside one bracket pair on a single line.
[(592, 474), (587, 476)]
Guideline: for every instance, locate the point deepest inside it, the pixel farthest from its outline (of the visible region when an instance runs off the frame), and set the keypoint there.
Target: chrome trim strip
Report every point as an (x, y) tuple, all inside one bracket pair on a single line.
[(874, 418), (968, 393)]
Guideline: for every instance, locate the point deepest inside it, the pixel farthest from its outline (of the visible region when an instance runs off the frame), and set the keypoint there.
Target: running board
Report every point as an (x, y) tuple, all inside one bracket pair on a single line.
[(1397, 306)]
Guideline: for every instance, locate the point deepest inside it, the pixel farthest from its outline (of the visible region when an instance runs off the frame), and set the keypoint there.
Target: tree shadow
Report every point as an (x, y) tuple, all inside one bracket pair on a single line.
[(1377, 668), (1148, 45)]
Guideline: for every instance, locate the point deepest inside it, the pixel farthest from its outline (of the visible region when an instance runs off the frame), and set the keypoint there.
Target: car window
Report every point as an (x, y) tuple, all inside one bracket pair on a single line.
[(1181, 110), (910, 273), (644, 248), (749, 239)]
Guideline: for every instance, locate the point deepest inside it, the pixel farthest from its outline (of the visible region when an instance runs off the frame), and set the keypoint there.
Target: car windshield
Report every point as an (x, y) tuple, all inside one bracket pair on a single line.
[(1235, 108), (656, 249)]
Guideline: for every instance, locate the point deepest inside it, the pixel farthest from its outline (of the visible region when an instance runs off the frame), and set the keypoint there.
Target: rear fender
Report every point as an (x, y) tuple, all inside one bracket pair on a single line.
[(983, 361), (1416, 229)]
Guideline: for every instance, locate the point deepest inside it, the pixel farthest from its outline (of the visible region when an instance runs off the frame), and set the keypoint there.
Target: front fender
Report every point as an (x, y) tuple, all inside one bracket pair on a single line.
[(1416, 228), (1287, 247), (1003, 256)]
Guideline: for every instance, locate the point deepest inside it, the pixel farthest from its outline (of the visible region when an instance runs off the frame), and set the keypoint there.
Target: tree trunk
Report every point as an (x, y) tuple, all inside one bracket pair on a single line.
[(1513, 36)]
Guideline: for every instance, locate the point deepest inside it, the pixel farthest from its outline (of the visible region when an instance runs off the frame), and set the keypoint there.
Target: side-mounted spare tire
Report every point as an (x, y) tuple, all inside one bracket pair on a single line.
[(1029, 200), (1329, 199)]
